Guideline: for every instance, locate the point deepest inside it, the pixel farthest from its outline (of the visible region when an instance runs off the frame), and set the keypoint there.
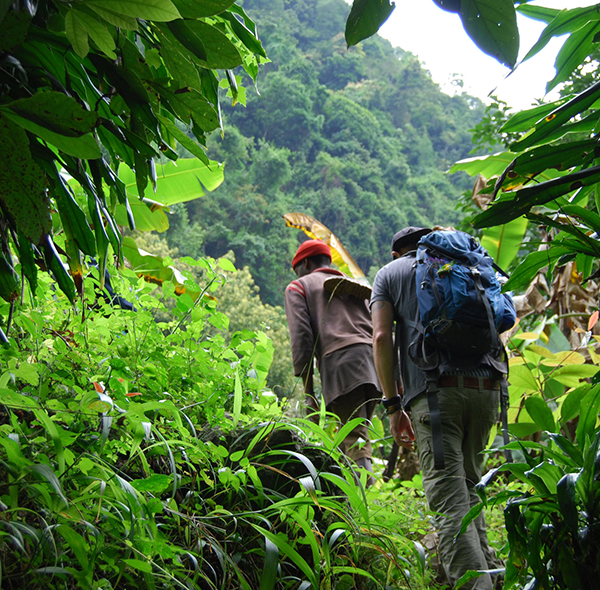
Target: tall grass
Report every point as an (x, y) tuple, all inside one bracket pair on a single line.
[(143, 454)]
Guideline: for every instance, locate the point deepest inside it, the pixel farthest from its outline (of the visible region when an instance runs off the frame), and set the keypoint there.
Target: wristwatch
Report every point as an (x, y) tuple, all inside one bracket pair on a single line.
[(391, 401), (392, 405)]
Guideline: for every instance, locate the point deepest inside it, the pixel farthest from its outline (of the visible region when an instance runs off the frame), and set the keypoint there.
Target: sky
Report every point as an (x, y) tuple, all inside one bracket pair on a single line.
[(440, 42)]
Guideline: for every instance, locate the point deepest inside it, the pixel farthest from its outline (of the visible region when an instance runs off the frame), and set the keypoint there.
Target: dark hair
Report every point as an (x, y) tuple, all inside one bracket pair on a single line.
[(320, 260)]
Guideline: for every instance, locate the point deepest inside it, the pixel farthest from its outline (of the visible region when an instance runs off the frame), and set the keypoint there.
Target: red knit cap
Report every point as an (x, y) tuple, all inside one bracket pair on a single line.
[(311, 248)]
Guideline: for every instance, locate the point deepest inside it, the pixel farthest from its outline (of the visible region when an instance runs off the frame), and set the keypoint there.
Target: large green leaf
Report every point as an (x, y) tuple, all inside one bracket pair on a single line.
[(573, 53), (588, 416), (492, 25), (27, 260), (188, 104), (570, 407), (523, 429), (526, 271), (558, 117), (117, 20), (590, 218), (571, 375), (522, 377), (573, 454), (517, 203), (84, 147), (76, 34), (562, 157), (539, 13), (96, 30), (196, 9), (566, 21), (366, 16), (155, 10), (246, 31), (524, 120), (540, 413), (567, 500), (487, 166), (74, 219), (545, 477), (22, 184), (178, 182), (207, 43), (147, 215), (187, 142), (503, 241), (177, 60), (56, 112), (58, 269)]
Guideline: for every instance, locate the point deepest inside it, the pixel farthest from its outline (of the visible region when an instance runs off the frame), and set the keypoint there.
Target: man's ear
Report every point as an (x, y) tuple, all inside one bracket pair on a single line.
[(395, 255)]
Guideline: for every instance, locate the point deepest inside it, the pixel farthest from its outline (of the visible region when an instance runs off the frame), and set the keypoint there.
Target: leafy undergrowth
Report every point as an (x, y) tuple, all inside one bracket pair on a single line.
[(135, 453)]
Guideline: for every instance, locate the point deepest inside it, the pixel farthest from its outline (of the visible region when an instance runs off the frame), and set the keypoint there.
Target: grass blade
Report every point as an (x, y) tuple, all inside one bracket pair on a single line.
[(269, 576), (291, 553)]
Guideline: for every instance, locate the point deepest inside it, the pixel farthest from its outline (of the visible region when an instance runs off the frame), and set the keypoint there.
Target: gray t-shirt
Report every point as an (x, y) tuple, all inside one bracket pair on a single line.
[(395, 283)]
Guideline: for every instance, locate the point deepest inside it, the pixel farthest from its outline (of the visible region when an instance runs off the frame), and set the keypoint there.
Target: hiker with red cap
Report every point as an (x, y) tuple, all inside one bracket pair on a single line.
[(334, 329)]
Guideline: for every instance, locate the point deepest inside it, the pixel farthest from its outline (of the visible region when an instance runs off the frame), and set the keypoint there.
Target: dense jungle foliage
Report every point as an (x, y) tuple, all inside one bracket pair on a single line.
[(144, 441), (358, 138)]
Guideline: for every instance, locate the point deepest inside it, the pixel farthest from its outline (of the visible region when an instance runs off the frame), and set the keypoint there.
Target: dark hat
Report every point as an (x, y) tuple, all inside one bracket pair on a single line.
[(408, 235)]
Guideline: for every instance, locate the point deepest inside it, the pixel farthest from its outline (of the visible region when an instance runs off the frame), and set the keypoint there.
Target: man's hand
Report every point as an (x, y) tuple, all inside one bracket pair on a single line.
[(402, 429)]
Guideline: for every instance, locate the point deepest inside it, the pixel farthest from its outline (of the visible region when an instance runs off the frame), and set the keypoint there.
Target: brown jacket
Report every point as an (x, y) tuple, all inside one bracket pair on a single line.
[(321, 323)]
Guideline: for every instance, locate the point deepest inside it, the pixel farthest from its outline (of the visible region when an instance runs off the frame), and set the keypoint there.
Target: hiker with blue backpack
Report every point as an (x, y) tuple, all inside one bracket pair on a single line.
[(437, 313)]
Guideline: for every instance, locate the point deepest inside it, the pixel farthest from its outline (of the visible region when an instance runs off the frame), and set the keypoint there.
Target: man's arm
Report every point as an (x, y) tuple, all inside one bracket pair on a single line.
[(302, 339), (383, 353), (383, 346)]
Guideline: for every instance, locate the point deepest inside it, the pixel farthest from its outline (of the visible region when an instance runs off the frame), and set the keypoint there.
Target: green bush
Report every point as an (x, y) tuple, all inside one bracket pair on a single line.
[(143, 453)]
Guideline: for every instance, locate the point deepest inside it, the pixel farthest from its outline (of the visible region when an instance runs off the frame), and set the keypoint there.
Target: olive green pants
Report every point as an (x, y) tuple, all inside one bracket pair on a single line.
[(467, 418)]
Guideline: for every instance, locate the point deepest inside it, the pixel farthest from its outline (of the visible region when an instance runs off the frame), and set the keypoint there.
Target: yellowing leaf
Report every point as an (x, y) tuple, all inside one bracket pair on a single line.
[(516, 360), (541, 350), (522, 378), (565, 357), (526, 336), (317, 231)]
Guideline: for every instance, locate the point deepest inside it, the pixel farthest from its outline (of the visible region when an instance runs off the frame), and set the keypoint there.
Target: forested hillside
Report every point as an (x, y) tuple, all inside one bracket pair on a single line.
[(359, 139)]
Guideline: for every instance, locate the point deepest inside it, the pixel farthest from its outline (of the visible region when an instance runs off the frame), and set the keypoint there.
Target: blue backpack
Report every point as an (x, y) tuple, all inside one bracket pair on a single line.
[(462, 311), (461, 306)]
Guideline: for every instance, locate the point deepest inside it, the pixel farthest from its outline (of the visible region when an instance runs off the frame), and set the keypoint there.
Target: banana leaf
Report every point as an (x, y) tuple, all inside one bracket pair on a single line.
[(487, 166), (558, 117), (316, 230), (177, 182), (503, 241), (517, 203)]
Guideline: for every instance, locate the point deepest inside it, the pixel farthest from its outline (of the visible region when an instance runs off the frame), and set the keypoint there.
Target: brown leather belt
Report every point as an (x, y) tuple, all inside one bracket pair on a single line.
[(468, 382)]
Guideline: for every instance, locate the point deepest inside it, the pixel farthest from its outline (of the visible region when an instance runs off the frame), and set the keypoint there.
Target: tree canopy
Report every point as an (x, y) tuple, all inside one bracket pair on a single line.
[(358, 138)]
